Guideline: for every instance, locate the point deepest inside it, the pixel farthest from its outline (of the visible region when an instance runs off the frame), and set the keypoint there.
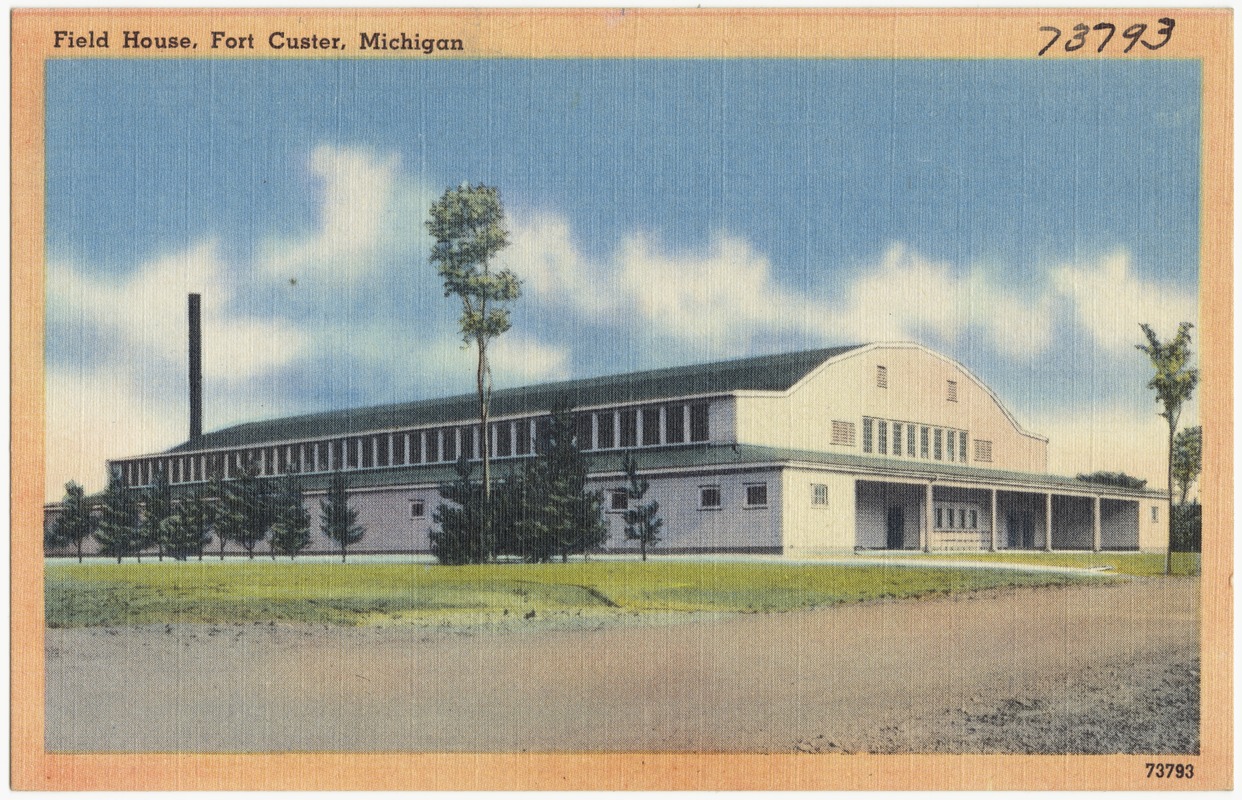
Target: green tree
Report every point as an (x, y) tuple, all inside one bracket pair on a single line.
[(559, 516), (291, 530), (224, 518), (187, 528), (459, 539), (1174, 383), (338, 521), (118, 533), (75, 523), (1187, 459), (468, 225), (157, 505), (245, 510), (641, 523)]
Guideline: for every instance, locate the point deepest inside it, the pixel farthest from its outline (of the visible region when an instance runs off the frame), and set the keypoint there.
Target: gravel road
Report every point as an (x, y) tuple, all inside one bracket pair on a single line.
[(1097, 668)]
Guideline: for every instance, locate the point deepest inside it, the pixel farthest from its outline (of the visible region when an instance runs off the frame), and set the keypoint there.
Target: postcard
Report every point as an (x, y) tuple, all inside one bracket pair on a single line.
[(622, 399)]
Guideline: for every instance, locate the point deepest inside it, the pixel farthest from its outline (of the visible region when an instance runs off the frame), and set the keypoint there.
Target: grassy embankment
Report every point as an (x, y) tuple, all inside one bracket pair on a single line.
[(375, 594), (1140, 564)]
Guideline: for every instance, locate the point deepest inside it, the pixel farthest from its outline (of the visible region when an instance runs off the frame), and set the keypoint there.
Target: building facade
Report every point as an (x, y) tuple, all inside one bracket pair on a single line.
[(886, 446)]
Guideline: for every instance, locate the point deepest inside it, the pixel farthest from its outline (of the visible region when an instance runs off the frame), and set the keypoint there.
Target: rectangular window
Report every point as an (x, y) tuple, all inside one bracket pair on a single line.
[(843, 433), (961, 518), (910, 441), (961, 446), (606, 438), (629, 428), (450, 444), (923, 442), (939, 440), (503, 433), (433, 446), (582, 431), (368, 450), (867, 434), (983, 450), (757, 495), (951, 446), (698, 423), (1155, 513), (881, 377), (819, 494), (674, 424), (952, 391), (385, 443), (709, 497), (939, 517), (651, 426), (974, 519), (619, 500), (418, 509), (882, 444), (896, 439), (521, 440)]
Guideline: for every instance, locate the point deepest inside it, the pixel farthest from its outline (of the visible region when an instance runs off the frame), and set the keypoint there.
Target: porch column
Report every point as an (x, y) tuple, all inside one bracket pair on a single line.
[(1097, 536), (925, 528), (994, 537), (1048, 522)]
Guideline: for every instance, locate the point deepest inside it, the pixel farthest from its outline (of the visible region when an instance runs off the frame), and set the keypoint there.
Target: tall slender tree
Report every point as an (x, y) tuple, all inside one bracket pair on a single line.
[(187, 529), (1174, 383), (75, 523), (245, 510), (338, 521), (468, 225)]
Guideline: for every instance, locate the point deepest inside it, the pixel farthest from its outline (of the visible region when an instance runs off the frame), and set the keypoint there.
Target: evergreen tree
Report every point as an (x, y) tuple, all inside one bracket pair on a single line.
[(118, 532), (187, 529), (75, 524), (224, 521), (291, 530), (641, 523), (460, 537), (157, 504), (559, 515), (337, 520), (246, 510)]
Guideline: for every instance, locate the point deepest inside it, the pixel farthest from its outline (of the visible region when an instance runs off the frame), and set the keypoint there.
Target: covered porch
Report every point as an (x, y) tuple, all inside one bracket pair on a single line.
[(932, 516)]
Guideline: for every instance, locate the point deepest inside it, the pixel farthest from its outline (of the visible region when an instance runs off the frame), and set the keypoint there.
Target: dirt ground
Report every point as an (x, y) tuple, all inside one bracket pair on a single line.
[(1102, 668)]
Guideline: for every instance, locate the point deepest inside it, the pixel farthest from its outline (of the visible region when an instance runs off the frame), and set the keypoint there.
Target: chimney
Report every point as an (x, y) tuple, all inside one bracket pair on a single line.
[(196, 370)]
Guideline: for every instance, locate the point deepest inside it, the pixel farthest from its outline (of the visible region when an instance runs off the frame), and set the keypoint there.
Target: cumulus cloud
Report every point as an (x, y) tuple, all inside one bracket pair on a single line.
[(143, 314), (358, 193), (1110, 301), (1113, 438)]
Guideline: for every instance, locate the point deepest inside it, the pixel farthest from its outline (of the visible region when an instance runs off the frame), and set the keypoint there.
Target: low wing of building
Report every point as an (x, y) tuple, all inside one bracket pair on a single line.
[(885, 446)]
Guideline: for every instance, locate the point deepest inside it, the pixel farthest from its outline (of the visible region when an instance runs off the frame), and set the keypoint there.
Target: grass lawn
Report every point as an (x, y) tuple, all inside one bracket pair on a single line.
[(1124, 563), (372, 594)]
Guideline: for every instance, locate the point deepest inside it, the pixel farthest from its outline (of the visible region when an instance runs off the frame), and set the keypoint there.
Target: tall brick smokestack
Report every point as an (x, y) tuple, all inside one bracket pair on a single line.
[(196, 370)]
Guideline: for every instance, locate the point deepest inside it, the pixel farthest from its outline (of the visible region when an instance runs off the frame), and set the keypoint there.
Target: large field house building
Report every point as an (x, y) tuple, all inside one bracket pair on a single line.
[(885, 446)]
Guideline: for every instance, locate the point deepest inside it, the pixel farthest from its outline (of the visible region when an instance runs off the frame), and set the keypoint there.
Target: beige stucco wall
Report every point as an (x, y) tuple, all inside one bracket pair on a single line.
[(1153, 533), (811, 529), (917, 393)]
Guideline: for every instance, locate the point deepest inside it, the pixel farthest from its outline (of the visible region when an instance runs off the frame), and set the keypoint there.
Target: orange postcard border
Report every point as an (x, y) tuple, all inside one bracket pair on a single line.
[(1203, 34)]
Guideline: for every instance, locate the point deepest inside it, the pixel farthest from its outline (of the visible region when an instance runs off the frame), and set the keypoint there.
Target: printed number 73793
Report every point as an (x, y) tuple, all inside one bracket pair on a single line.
[(1133, 33)]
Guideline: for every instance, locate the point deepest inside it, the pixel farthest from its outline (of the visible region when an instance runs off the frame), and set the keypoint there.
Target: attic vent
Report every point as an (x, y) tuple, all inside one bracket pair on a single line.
[(843, 433), (881, 377), (952, 391), (983, 450)]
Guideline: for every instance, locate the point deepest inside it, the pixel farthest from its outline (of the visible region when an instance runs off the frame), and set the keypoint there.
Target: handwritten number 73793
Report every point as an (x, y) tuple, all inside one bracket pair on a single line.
[(1134, 34)]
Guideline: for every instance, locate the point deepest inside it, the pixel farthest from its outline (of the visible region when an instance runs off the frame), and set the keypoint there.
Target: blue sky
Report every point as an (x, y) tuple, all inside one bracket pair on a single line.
[(1020, 216)]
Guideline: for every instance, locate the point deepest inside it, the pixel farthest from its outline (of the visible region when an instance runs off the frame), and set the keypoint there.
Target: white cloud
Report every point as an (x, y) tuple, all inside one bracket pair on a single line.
[(1110, 301), (356, 196), (145, 314), (1111, 438)]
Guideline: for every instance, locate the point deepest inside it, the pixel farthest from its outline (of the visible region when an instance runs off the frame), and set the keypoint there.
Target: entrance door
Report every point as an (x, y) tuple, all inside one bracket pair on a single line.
[(1028, 531), (896, 528)]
